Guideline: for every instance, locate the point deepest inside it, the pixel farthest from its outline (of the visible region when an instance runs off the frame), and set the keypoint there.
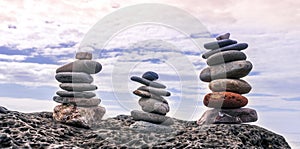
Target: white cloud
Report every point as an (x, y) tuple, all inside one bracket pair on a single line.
[(13, 57), (56, 51), (273, 103), (29, 74), (38, 24), (39, 21)]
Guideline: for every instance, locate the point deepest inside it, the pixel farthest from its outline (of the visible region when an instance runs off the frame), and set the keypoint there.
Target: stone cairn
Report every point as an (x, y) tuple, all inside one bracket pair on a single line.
[(227, 64), (79, 106), (154, 106)]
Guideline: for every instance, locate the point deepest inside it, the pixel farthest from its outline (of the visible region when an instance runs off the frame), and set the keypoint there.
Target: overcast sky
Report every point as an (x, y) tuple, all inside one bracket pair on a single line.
[(38, 37)]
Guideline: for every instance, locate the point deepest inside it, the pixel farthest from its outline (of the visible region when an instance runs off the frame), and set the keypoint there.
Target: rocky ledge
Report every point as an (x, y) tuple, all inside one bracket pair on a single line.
[(39, 130)]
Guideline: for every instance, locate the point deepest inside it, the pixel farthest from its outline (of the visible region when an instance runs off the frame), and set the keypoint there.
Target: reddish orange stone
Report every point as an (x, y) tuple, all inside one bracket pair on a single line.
[(225, 100)]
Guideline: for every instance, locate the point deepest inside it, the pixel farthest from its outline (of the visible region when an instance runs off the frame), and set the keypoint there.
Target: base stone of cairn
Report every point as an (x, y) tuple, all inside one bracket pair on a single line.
[(69, 114), (79, 106), (227, 65), (154, 106), (228, 116), (78, 116), (151, 117), (92, 114)]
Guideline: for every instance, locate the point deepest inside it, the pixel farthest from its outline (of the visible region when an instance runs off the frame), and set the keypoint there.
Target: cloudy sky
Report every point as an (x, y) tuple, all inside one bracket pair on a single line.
[(39, 36)]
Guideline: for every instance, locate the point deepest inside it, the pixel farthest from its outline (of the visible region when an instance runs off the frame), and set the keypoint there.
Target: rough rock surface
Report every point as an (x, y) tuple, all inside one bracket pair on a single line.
[(3, 110), (39, 130), (150, 127)]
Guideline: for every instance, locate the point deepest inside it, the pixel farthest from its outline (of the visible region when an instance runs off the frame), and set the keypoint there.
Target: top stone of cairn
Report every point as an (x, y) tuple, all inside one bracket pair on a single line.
[(150, 75), (84, 56), (223, 36)]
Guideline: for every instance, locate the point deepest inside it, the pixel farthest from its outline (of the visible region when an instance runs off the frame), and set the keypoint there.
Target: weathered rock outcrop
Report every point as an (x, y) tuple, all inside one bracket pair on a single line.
[(39, 130)]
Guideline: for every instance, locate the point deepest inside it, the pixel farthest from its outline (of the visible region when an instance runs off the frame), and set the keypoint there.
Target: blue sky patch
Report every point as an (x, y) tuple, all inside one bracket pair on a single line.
[(20, 91), (62, 45), (261, 94), (292, 99), (153, 60), (11, 51), (266, 108), (254, 73), (41, 60)]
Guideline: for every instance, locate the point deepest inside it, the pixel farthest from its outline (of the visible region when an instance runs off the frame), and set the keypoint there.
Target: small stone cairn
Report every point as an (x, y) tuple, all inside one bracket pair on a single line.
[(79, 106), (154, 106), (227, 64)]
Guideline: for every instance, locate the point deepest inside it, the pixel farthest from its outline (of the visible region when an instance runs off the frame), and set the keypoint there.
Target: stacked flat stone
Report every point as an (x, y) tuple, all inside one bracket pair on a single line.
[(227, 65), (79, 105), (154, 106)]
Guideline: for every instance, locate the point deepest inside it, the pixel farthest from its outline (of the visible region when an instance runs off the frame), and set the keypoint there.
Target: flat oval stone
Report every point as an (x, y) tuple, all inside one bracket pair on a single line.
[(87, 66), (150, 75), (76, 94), (156, 91), (230, 85), (223, 36), (228, 116), (151, 117), (154, 106), (225, 57), (146, 94), (225, 100), (233, 70), (219, 44), (80, 102), (79, 87), (84, 55), (147, 82), (143, 94), (74, 77), (238, 46)]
